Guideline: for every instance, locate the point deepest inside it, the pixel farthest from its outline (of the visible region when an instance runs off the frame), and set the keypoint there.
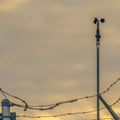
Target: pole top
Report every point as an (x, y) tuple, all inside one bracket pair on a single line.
[(5, 102), (96, 20)]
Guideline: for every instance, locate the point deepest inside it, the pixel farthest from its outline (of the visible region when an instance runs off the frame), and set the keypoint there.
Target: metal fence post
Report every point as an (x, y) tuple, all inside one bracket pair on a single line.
[(6, 110)]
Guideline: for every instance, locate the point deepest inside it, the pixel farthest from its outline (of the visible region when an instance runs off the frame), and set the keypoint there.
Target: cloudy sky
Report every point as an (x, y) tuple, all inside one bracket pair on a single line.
[(48, 53)]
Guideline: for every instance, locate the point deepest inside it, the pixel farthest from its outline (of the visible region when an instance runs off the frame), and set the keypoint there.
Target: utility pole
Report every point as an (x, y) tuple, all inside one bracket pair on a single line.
[(6, 114), (98, 36)]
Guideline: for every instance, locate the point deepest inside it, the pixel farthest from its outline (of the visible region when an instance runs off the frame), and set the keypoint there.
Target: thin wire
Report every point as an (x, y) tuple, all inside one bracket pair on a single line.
[(117, 101), (60, 115), (25, 116), (63, 102), (57, 115), (103, 119), (5, 93), (77, 99), (52, 106), (110, 86), (69, 114)]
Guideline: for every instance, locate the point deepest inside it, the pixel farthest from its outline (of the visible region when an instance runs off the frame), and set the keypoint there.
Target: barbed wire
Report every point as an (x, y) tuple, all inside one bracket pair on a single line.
[(72, 113), (52, 106), (117, 101), (110, 86), (5, 93), (35, 117), (103, 119), (58, 115)]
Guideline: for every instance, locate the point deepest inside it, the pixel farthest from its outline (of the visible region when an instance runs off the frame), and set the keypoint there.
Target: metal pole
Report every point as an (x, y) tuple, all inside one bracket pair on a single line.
[(6, 110), (98, 36), (114, 115), (98, 68)]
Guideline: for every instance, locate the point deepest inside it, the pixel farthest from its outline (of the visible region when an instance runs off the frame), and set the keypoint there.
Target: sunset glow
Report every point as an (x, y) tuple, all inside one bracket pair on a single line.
[(48, 56)]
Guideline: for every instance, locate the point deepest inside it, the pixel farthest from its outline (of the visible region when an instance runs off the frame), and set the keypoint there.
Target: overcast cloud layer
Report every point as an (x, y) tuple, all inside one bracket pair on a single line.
[(48, 52)]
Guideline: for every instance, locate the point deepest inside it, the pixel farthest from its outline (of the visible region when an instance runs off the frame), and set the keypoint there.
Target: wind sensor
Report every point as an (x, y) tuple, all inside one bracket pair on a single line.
[(99, 97), (102, 20), (98, 36)]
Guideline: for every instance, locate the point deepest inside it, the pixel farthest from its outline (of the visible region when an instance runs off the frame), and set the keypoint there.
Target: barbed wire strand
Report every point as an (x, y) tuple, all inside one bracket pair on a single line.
[(57, 115), (110, 86), (52, 106), (103, 119), (69, 114), (117, 101), (72, 100), (25, 116), (5, 93)]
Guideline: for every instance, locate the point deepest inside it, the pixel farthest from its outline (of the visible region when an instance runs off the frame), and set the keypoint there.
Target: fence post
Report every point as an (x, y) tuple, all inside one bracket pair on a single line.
[(6, 110)]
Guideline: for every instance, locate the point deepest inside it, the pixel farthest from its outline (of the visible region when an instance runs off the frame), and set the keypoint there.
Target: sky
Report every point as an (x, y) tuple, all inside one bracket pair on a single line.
[(48, 53)]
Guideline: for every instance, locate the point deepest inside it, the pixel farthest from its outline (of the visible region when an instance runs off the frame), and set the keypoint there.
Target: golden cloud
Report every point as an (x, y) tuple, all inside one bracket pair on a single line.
[(8, 5)]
